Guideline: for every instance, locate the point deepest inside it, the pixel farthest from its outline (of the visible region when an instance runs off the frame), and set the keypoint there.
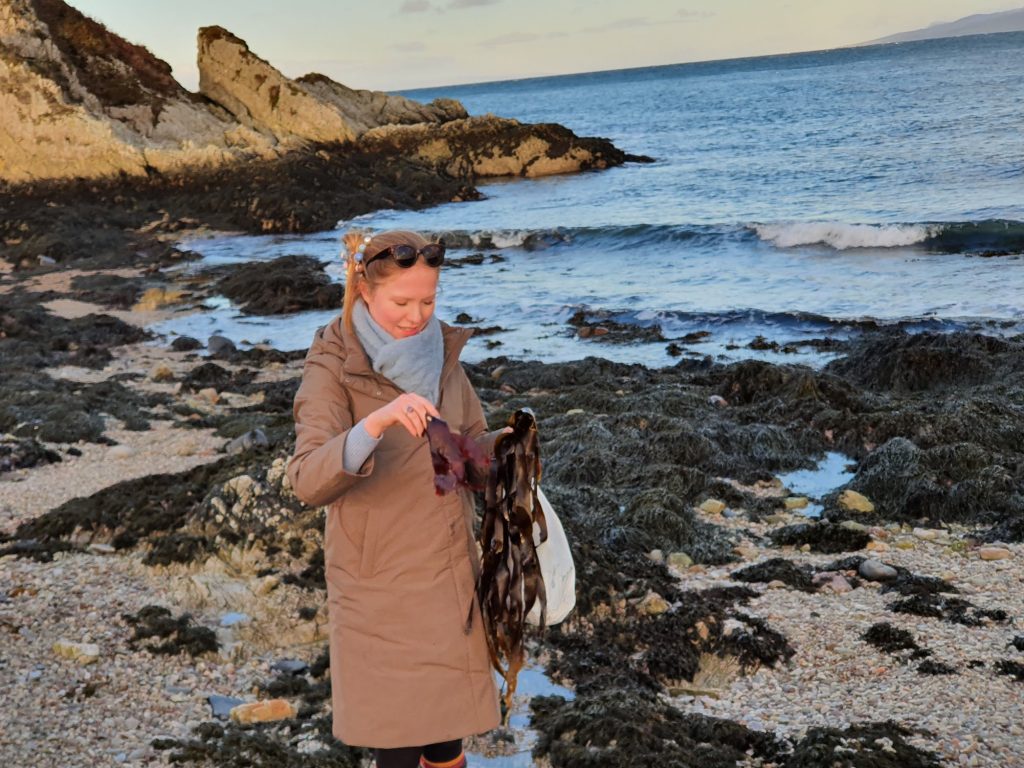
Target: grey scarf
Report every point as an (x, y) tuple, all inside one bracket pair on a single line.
[(413, 363)]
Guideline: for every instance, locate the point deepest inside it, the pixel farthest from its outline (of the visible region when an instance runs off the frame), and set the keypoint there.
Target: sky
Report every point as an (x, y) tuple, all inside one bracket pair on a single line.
[(395, 45)]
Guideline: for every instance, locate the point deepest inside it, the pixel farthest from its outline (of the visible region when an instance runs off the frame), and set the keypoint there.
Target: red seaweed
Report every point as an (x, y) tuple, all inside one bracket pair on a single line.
[(458, 460)]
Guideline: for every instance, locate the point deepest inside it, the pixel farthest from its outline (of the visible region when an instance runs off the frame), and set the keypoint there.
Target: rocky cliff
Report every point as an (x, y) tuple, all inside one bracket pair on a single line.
[(77, 101), (312, 108)]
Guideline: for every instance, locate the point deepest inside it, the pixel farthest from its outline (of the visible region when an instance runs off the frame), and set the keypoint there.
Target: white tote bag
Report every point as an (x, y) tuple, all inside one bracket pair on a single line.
[(556, 568)]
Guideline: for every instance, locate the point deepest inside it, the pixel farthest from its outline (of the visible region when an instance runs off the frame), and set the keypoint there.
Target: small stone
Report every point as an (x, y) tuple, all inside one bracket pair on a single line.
[(855, 502), (101, 549), (221, 706), (875, 570), (290, 666), (853, 525), (263, 711), (656, 556), (994, 553), (185, 344), (83, 653), (654, 604), (926, 534), (680, 560), (186, 447), (777, 518), (747, 551), (220, 346), (157, 298), (255, 438), (161, 372), (209, 394), (121, 452), (718, 401), (777, 584), (712, 506), (574, 412), (267, 585), (839, 584), (796, 502), (877, 546), (702, 630), (904, 544)]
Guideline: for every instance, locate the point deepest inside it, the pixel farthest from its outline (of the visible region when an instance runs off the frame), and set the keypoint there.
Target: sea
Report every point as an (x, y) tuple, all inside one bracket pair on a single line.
[(791, 198)]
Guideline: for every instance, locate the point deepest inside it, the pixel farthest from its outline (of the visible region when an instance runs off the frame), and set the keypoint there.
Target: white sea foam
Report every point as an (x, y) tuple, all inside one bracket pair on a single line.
[(842, 236)]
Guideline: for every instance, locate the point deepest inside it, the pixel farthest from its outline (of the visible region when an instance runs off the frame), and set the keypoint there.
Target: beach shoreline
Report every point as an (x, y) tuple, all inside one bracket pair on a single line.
[(272, 579)]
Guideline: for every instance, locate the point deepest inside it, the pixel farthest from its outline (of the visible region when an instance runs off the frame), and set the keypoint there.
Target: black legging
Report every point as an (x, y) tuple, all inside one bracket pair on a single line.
[(409, 757)]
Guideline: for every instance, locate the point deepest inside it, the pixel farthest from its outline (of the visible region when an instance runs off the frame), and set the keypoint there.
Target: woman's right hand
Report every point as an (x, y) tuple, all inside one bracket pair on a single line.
[(409, 410)]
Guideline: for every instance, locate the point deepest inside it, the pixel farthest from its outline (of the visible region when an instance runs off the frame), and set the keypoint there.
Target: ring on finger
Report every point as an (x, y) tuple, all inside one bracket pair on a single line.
[(409, 409)]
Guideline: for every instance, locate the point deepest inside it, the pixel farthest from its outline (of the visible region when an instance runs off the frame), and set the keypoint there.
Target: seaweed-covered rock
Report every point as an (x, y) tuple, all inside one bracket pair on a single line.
[(238, 503), (885, 637), (777, 569), (863, 745), (22, 454), (954, 609), (913, 362), (59, 411), (112, 291), (217, 377), (286, 284), (154, 623), (620, 729), (933, 667), (1012, 668), (599, 325), (959, 482), (821, 537)]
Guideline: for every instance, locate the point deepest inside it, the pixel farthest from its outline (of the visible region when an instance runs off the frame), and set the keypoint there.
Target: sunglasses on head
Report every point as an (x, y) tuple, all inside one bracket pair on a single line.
[(405, 255)]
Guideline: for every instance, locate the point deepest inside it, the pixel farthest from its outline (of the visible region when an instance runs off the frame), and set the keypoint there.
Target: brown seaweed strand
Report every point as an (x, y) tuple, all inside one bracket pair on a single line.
[(510, 580)]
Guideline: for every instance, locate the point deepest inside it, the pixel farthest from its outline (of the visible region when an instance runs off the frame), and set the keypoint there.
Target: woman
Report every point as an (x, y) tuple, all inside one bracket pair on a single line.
[(410, 673)]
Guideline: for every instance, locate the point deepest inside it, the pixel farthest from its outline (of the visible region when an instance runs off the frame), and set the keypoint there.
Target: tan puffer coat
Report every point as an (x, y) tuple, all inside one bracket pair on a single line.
[(401, 562)]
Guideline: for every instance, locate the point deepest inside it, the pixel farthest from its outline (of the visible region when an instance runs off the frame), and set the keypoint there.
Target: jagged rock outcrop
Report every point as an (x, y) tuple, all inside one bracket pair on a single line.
[(78, 101), (312, 108), (478, 147)]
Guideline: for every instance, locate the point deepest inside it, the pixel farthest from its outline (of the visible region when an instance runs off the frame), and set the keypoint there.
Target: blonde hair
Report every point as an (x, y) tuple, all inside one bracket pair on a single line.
[(375, 273)]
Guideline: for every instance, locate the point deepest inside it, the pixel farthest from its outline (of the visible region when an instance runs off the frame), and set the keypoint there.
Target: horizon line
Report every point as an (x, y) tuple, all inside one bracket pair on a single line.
[(863, 45)]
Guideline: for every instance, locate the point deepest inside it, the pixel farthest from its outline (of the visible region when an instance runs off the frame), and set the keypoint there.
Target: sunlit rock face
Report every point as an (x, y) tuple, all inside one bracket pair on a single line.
[(78, 101)]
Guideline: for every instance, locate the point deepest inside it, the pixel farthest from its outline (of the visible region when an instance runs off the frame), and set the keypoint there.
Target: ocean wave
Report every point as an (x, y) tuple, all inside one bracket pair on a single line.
[(610, 237), (992, 237), (842, 236), (988, 237)]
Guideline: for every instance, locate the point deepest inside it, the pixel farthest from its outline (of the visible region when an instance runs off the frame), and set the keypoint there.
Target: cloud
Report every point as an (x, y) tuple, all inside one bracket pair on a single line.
[(471, 3), (415, 6), (632, 21), (685, 14), (517, 38)]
